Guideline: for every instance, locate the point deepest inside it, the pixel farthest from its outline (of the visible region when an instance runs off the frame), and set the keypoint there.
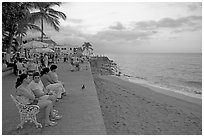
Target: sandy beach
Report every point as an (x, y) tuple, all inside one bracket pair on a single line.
[(129, 108)]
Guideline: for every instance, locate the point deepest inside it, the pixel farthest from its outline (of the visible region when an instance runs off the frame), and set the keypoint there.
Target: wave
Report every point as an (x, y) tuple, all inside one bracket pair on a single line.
[(136, 77), (187, 91), (193, 87), (182, 74)]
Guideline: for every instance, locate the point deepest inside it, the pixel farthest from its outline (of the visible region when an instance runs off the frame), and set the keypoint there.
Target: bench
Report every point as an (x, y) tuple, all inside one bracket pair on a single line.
[(27, 113)]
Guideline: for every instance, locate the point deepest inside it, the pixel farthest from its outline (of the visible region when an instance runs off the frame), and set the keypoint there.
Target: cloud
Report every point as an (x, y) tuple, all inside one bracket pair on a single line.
[(75, 20), (192, 23), (194, 6), (118, 26), (146, 25), (120, 38), (125, 35)]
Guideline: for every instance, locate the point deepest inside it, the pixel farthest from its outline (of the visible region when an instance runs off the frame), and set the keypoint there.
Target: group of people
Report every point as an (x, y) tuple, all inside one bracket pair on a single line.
[(42, 89), (76, 61)]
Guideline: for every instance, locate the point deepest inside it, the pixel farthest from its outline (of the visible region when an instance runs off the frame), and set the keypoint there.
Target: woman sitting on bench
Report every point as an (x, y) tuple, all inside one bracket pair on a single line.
[(27, 97)]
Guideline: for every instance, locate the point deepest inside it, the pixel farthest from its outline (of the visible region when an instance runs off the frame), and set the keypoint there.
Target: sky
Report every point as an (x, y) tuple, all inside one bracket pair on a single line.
[(130, 27)]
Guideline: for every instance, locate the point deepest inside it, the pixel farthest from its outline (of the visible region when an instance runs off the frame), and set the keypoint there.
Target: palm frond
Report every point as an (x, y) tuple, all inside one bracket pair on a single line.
[(35, 16), (53, 22), (57, 13)]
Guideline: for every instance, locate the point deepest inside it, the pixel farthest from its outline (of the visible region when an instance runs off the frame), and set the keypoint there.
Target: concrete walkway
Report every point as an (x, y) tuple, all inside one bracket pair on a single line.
[(81, 111)]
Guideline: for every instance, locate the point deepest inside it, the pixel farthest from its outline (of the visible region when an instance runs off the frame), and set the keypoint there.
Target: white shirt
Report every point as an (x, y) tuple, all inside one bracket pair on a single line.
[(36, 86)]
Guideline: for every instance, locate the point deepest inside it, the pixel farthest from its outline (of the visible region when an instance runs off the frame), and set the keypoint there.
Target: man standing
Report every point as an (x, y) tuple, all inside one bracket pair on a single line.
[(46, 60)]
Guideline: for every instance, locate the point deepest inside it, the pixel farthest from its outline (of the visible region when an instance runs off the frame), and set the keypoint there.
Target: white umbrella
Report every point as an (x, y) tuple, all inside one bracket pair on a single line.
[(42, 50), (34, 44)]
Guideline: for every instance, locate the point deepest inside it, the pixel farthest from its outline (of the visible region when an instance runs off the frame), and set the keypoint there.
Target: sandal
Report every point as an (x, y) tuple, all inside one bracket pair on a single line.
[(51, 124), (56, 117)]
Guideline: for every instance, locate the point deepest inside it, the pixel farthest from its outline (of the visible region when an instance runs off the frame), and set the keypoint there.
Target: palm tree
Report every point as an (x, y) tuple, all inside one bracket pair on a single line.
[(87, 46), (15, 21), (48, 14), (12, 13), (23, 27)]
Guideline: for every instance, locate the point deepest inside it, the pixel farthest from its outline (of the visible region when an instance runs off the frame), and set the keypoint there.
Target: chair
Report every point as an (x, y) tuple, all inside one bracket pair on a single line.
[(27, 112)]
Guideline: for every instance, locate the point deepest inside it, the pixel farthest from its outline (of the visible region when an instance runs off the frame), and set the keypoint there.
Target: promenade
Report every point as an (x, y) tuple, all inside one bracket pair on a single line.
[(80, 110)]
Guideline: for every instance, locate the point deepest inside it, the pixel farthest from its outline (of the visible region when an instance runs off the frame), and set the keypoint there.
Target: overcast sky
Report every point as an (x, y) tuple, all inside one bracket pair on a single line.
[(119, 27)]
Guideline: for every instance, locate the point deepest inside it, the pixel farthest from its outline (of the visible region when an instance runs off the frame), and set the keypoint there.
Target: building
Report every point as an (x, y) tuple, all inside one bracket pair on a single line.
[(62, 49), (69, 49)]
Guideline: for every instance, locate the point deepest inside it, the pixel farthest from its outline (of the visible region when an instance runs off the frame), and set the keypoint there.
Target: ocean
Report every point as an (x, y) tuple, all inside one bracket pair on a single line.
[(177, 72)]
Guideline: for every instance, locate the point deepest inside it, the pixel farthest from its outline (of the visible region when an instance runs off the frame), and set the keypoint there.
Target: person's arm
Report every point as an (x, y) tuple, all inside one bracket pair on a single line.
[(26, 93), (38, 93), (48, 78), (43, 87), (53, 78)]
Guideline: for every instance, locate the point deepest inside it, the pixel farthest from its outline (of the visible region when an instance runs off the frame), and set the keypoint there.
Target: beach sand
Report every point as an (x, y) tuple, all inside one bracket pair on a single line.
[(129, 108)]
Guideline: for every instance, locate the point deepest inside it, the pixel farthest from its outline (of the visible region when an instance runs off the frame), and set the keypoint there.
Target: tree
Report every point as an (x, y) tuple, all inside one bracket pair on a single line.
[(16, 20), (48, 14), (23, 27), (11, 15), (88, 47)]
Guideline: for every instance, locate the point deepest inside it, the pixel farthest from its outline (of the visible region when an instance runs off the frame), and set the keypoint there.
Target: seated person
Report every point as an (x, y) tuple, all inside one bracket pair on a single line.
[(26, 96), (38, 89), (54, 77), (49, 84)]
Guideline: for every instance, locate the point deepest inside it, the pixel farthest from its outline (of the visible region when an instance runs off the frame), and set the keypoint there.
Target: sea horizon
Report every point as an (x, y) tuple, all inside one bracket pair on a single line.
[(177, 72)]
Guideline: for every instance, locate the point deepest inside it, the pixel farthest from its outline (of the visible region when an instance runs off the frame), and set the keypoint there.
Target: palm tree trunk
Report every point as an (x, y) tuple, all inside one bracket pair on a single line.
[(42, 29), (21, 40)]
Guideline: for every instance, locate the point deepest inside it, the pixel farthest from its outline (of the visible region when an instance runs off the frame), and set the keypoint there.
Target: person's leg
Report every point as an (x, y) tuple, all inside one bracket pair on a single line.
[(57, 88), (53, 98), (64, 92), (47, 104), (49, 113), (49, 97)]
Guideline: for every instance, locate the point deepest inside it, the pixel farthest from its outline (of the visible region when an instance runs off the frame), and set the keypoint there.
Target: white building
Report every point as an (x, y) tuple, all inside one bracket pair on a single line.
[(66, 48)]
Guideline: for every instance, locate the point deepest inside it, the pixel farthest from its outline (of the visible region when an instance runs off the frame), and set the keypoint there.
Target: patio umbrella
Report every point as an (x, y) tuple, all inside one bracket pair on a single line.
[(34, 44), (42, 50)]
